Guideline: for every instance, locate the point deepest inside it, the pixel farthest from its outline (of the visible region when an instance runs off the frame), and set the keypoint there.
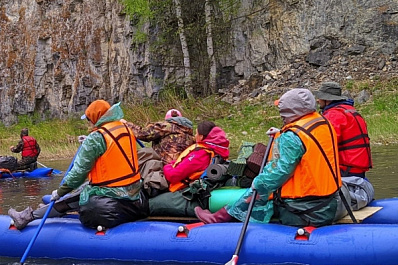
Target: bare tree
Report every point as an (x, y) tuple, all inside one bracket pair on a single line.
[(210, 48), (185, 51)]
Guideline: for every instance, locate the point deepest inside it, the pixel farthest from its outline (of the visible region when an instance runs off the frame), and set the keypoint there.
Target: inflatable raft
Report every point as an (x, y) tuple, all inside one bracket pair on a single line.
[(374, 241), (37, 173)]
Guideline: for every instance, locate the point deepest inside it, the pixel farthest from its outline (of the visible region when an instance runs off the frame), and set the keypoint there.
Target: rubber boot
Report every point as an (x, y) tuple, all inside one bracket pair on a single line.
[(21, 219), (221, 216)]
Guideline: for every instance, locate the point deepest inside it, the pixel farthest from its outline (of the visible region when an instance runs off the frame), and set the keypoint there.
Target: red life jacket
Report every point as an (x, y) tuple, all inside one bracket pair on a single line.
[(354, 149), (29, 146)]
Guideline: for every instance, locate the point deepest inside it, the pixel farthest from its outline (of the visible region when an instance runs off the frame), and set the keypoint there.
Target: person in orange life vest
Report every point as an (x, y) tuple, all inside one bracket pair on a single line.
[(113, 194), (29, 149), (210, 141), (353, 140), (299, 183)]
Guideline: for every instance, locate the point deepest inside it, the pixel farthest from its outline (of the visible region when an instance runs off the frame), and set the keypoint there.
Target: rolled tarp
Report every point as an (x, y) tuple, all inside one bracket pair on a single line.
[(215, 172), (221, 197)]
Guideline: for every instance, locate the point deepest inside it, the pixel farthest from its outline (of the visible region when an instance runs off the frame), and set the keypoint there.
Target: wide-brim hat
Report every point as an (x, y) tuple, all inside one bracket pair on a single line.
[(329, 91)]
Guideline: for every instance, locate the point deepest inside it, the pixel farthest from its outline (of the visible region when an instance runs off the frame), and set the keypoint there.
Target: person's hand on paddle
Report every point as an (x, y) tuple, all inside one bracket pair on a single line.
[(248, 200), (272, 131), (54, 196), (81, 138)]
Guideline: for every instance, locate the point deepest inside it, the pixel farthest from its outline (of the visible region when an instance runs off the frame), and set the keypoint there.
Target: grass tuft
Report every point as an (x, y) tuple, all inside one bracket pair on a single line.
[(247, 121)]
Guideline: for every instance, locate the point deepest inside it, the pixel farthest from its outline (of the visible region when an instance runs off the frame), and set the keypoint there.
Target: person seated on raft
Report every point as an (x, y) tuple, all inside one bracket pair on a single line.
[(193, 161), (211, 141), (169, 137), (29, 149), (300, 181), (353, 140), (113, 195)]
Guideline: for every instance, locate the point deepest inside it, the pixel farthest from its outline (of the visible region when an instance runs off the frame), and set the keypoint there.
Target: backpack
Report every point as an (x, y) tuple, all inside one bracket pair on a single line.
[(8, 162)]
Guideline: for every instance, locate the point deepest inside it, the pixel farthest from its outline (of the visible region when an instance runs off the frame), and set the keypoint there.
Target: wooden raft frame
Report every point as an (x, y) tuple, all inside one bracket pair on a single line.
[(360, 215)]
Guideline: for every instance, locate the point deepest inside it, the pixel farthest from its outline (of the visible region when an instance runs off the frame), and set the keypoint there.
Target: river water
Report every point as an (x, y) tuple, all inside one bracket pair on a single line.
[(21, 192)]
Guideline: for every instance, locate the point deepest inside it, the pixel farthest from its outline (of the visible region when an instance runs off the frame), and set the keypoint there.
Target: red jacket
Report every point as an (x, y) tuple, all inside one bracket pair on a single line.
[(29, 147), (198, 160), (352, 138)]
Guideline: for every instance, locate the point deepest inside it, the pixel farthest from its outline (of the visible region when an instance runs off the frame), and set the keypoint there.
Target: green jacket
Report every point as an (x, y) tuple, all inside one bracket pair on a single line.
[(287, 153), (91, 149)]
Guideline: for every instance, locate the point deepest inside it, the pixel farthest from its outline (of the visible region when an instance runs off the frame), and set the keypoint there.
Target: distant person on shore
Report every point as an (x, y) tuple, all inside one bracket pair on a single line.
[(29, 149), (169, 137), (299, 184), (113, 195), (353, 142)]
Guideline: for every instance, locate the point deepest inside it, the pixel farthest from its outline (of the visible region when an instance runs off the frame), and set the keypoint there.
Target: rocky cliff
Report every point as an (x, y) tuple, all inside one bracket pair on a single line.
[(56, 56)]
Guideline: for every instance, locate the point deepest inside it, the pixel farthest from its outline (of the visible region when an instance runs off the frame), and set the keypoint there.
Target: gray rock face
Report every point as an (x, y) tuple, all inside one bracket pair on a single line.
[(58, 56)]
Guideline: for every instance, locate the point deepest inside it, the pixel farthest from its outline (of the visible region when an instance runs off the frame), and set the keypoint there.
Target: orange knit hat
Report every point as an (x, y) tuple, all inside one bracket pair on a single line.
[(96, 110)]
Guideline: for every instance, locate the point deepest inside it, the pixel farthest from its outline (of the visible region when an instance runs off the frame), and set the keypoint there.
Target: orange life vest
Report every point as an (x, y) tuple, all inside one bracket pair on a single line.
[(318, 172), (118, 166), (354, 148), (29, 146), (194, 176)]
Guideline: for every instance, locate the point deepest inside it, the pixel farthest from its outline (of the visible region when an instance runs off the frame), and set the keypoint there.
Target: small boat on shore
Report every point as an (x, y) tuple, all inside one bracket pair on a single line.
[(373, 241), (37, 173)]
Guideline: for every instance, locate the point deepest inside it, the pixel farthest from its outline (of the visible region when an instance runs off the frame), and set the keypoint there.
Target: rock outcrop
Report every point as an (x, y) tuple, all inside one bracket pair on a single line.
[(58, 56)]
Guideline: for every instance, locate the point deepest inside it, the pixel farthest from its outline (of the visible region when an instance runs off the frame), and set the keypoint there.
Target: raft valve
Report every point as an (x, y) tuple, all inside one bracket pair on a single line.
[(300, 231)]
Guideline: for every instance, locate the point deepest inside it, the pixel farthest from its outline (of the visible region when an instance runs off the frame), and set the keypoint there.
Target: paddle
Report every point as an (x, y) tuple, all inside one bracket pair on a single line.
[(55, 171), (235, 257), (140, 143), (50, 206)]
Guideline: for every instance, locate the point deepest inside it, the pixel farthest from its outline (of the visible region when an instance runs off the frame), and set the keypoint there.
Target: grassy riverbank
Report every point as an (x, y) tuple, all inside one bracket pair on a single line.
[(247, 121)]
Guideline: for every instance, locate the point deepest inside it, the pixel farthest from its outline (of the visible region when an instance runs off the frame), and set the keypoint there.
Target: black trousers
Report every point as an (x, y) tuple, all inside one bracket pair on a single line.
[(100, 210), (110, 212)]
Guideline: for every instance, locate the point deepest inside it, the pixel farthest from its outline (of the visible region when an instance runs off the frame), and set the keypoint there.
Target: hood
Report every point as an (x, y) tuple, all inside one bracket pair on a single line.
[(181, 121), (341, 102), (217, 140), (295, 104), (114, 113)]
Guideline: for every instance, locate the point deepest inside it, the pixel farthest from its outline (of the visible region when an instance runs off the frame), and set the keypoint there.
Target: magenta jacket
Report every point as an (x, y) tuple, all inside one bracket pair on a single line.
[(198, 160)]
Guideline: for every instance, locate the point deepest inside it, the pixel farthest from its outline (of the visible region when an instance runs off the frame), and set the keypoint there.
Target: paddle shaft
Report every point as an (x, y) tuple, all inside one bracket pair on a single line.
[(41, 164), (50, 206), (140, 143), (234, 259)]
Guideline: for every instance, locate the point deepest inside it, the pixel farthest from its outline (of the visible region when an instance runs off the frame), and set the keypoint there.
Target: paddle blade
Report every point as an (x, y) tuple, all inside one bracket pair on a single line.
[(233, 261), (57, 172)]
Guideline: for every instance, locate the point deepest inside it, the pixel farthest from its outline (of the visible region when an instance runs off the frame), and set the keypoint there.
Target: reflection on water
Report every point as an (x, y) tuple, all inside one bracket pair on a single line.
[(21, 192), (385, 169)]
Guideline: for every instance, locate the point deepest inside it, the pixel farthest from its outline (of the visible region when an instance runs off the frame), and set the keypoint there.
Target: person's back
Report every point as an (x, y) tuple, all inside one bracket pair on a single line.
[(29, 149), (113, 194), (302, 173), (169, 137), (353, 141)]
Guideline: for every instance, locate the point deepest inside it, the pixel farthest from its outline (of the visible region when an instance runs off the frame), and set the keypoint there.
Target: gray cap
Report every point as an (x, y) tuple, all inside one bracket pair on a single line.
[(295, 104), (329, 91)]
